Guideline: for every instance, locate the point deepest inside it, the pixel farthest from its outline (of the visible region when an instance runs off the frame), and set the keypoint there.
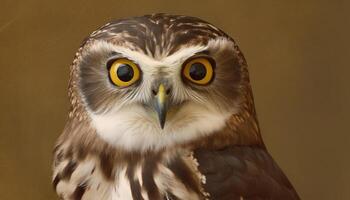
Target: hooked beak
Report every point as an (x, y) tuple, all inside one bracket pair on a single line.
[(161, 104)]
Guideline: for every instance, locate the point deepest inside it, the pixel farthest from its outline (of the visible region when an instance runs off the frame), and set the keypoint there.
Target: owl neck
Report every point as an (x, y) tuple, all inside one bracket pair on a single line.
[(238, 131), (242, 128)]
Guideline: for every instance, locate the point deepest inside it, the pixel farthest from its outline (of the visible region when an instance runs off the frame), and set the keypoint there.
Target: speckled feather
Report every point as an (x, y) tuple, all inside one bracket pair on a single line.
[(230, 163)]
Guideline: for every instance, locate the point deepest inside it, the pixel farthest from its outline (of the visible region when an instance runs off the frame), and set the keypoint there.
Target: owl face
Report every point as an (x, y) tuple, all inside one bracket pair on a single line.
[(146, 86)]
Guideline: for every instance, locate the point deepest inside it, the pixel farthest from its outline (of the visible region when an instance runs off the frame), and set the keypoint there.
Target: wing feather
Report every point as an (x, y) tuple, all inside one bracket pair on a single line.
[(243, 172)]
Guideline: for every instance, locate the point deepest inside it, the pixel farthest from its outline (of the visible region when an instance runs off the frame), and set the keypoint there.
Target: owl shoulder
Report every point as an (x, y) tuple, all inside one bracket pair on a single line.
[(243, 172)]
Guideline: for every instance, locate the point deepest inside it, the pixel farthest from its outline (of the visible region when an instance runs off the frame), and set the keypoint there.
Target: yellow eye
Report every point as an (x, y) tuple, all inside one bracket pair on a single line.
[(124, 72), (199, 71)]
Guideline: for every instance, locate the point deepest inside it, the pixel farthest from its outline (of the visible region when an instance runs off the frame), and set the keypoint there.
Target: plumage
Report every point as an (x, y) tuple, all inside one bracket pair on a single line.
[(166, 135)]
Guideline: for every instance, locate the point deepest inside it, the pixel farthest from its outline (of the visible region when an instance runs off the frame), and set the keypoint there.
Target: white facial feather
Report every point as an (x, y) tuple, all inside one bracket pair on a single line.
[(133, 128), (130, 126)]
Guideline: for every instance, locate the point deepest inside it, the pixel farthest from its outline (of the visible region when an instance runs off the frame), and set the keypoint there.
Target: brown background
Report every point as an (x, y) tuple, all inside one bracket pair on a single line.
[(298, 54)]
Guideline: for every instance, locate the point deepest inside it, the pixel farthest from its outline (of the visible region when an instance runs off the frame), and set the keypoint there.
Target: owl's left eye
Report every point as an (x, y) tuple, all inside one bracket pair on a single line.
[(123, 72), (199, 70)]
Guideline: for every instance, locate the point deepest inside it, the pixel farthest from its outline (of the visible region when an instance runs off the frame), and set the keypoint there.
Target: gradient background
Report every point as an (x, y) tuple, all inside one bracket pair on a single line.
[(298, 54)]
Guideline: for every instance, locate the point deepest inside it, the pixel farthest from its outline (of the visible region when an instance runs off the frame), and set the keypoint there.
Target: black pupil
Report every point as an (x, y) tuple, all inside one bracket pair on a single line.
[(125, 72), (198, 71)]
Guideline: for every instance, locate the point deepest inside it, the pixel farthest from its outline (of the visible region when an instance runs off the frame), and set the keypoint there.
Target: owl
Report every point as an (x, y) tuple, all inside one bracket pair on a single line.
[(161, 108)]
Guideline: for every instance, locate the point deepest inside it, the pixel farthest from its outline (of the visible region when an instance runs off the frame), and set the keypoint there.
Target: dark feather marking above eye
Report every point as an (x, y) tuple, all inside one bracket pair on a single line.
[(205, 52), (168, 32)]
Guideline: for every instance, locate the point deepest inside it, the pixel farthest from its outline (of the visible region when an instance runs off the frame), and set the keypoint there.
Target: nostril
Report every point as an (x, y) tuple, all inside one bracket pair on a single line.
[(167, 91), (154, 92)]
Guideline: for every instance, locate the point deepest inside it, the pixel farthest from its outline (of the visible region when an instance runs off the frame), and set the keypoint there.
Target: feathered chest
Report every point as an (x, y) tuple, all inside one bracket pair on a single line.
[(142, 178)]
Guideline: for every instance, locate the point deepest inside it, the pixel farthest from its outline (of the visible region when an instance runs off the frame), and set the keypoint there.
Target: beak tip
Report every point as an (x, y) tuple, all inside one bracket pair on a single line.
[(161, 117), (162, 123)]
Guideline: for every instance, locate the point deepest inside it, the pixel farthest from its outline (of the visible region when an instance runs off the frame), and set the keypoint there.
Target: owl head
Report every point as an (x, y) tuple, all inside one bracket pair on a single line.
[(157, 81)]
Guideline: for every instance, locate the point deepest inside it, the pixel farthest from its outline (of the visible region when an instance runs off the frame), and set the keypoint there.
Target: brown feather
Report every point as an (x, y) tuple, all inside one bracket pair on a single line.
[(229, 164)]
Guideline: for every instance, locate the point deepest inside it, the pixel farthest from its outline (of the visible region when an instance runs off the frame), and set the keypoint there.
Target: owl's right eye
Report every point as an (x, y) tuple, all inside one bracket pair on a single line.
[(123, 72)]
